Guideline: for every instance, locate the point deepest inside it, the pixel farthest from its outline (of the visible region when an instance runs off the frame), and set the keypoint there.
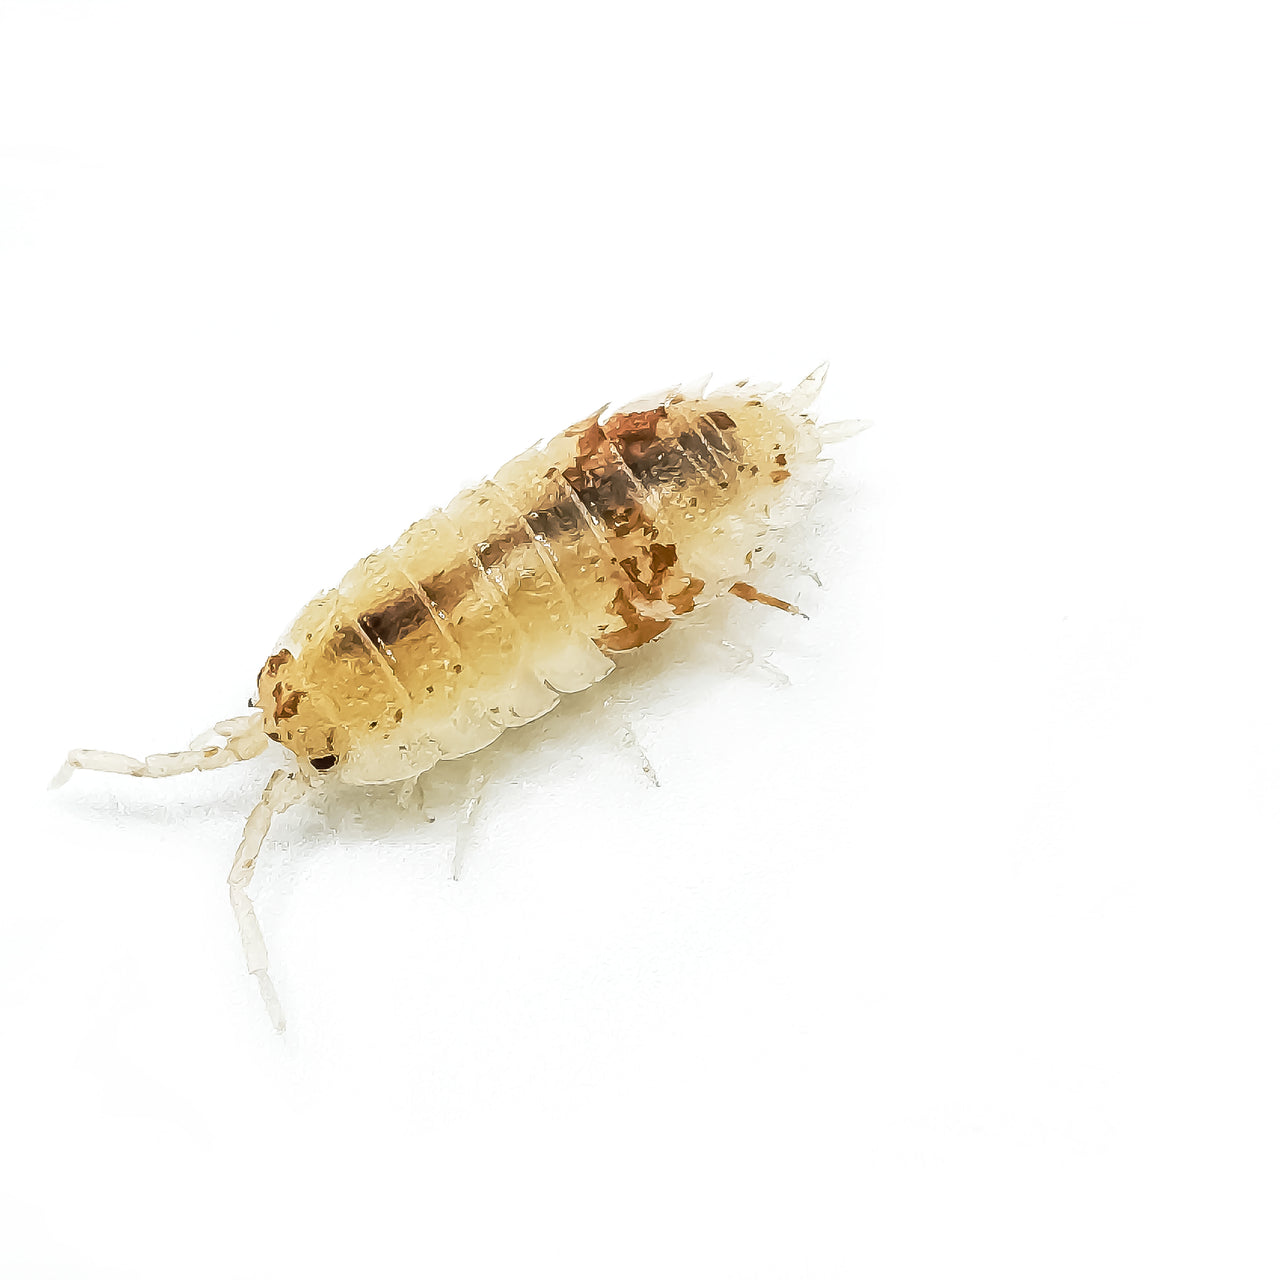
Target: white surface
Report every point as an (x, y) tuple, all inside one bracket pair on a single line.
[(957, 957)]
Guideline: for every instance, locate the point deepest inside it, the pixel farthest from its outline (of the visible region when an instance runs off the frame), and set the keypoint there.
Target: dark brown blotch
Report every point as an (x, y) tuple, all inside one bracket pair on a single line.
[(652, 455), (402, 615), (603, 484), (696, 447), (447, 590), (275, 662), (286, 706), (637, 628), (662, 556), (684, 601), (555, 522), (496, 549), (719, 429)]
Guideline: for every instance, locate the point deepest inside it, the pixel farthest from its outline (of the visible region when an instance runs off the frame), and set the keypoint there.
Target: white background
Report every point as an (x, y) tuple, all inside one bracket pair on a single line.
[(955, 957)]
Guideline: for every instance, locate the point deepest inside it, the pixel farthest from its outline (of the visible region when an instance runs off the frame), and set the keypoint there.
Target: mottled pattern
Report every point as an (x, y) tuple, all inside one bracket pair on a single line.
[(481, 615)]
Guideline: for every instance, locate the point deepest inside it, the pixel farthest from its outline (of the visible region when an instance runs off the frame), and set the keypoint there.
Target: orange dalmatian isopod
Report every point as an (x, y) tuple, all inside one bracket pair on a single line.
[(479, 617)]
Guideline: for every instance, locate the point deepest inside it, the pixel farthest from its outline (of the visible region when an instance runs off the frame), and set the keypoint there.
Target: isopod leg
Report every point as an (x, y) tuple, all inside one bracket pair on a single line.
[(627, 736), (745, 591), (283, 789), (245, 739), (846, 429), (466, 817), (806, 391), (740, 659)]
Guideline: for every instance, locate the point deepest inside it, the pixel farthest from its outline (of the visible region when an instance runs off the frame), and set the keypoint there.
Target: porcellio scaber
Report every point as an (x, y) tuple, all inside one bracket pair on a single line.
[(532, 585)]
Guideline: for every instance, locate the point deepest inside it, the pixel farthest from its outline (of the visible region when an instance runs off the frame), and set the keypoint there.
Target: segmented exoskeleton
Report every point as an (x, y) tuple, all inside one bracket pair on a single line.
[(480, 616)]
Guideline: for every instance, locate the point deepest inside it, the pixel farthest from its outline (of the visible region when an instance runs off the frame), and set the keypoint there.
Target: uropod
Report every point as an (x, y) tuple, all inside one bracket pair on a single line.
[(529, 586)]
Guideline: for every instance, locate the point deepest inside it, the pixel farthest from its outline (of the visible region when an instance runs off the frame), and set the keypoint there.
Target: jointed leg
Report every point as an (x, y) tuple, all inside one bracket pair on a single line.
[(745, 591), (283, 789), (846, 429), (245, 739), (466, 818), (626, 732), (740, 658)]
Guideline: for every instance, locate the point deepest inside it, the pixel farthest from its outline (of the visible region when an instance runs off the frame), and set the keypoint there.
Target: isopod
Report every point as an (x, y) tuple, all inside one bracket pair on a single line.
[(530, 586)]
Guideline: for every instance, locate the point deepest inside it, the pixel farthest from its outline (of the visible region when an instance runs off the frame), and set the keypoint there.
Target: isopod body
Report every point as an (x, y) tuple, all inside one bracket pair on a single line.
[(524, 588)]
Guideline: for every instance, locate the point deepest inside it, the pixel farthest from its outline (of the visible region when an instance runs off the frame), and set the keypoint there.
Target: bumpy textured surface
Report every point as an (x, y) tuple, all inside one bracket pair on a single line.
[(482, 614)]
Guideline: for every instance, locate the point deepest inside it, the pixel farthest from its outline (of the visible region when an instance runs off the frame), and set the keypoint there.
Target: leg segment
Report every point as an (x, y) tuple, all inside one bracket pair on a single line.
[(466, 817), (741, 659), (245, 739), (846, 429), (283, 790), (745, 591), (626, 732)]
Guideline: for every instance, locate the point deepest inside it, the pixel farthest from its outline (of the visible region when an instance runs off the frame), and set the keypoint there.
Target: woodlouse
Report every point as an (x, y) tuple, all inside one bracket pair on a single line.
[(525, 588)]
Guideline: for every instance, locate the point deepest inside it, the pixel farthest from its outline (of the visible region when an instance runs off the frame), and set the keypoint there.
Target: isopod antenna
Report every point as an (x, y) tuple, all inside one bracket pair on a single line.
[(245, 739)]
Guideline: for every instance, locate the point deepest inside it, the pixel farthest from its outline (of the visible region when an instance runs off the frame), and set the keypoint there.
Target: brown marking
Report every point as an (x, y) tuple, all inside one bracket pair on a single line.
[(636, 427), (493, 551), (631, 567), (450, 588), (600, 479), (637, 628), (275, 662), (645, 448), (556, 521), (406, 613), (608, 494), (662, 556), (696, 447), (779, 476), (286, 707), (744, 591), (346, 643), (683, 602), (649, 567), (652, 578), (611, 458), (716, 426), (400, 616), (650, 451)]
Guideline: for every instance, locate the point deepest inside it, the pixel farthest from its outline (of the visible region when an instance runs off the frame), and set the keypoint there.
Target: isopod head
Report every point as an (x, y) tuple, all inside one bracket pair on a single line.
[(296, 717)]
